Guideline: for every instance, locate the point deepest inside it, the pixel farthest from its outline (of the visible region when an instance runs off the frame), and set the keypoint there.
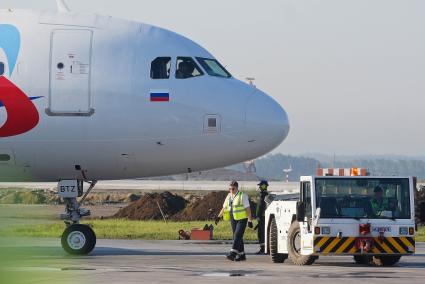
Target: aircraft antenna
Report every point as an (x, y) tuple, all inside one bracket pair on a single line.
[(251, 81), (62, 6)]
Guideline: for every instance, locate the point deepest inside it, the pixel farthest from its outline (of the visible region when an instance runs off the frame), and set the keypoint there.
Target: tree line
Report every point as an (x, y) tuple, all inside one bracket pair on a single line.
[(272, 166)]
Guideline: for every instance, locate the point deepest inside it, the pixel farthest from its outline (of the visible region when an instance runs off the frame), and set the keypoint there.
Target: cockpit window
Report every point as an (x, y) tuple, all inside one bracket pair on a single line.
[(213, 67), (160, 68), (1, 68), (187, 68)]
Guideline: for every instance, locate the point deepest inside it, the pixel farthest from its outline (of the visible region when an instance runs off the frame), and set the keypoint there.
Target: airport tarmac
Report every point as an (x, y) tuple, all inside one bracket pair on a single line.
[(123, 261)]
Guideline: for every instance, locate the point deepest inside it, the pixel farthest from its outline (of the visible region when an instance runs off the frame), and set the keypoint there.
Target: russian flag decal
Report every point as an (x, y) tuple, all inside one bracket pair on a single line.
[(160, 97)]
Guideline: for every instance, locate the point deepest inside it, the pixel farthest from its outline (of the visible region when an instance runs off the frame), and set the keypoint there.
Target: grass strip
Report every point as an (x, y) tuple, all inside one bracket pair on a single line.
[(125, 229), (145, 230)]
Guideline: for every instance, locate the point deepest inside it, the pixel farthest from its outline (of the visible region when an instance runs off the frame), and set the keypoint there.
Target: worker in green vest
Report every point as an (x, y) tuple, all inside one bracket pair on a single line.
[(260, 213), (237, 210), (379, 202)]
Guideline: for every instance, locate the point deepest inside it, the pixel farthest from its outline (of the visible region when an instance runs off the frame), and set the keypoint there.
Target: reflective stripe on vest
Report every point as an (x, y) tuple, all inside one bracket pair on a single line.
[(238, 209)]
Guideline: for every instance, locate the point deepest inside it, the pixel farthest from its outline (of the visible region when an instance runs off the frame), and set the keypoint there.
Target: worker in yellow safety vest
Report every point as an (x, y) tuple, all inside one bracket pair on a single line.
[(237, 210)]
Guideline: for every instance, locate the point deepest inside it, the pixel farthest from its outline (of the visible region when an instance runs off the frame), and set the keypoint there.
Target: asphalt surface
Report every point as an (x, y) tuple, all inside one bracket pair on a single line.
[(122, 261)]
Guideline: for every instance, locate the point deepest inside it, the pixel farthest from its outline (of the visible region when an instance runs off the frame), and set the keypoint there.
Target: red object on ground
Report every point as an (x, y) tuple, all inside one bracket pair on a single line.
[(201, 235)]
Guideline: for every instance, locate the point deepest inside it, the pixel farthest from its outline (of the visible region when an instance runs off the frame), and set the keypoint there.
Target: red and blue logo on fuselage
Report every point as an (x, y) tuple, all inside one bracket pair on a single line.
[(22, 115)]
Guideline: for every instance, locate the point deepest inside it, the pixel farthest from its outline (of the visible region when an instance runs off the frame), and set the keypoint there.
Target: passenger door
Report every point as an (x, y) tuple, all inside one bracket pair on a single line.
[(70, 73)]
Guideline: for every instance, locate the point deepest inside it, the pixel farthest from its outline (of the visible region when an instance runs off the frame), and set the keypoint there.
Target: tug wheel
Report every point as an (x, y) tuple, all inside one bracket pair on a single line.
[(273, 242), (294, 247), (78, 239)]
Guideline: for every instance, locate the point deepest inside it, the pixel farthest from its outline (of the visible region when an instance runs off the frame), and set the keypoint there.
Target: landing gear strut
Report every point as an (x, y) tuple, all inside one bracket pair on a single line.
[(77, 239)]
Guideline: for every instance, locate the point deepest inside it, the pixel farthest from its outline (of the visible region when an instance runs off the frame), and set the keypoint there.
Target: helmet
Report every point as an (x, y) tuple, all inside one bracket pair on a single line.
[(263, 182)]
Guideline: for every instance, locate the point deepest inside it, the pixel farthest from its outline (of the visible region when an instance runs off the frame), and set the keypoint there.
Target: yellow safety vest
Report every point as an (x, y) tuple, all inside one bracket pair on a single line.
[(238, 209), (379, 207)]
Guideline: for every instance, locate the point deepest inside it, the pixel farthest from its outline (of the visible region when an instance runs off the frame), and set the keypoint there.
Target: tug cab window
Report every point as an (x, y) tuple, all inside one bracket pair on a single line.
[(213, 67), (187, 68), (1, 68), (160, 68)]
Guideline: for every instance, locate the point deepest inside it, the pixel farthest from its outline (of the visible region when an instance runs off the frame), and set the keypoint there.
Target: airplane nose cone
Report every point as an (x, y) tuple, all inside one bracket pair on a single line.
[(266, 121)]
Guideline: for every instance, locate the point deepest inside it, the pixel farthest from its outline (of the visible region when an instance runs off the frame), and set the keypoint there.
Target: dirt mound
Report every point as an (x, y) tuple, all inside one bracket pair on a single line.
[(150, 205), (131, 197), (204, 208)]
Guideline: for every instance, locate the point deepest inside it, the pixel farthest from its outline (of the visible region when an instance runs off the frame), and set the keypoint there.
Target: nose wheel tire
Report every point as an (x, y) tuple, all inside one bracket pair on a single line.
[(294, 247), (273, 239), (78, 239)]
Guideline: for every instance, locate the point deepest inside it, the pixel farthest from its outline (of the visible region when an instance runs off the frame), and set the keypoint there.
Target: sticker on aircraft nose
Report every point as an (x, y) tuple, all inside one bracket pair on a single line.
[(22, 115), (160, 96)]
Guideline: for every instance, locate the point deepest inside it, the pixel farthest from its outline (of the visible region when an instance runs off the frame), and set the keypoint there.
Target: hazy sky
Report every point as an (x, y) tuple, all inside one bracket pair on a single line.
[(349, 73)]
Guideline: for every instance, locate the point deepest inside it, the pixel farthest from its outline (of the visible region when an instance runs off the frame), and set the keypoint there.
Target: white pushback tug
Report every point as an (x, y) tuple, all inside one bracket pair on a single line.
[(344, 212)]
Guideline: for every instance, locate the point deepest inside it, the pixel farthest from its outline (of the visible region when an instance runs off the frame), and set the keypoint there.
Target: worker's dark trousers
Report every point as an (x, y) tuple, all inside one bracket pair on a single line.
[(261, 229), (238, 228)]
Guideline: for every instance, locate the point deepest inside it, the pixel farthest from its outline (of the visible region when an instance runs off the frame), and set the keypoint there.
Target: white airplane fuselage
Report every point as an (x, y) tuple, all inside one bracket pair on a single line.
[(97, 107)]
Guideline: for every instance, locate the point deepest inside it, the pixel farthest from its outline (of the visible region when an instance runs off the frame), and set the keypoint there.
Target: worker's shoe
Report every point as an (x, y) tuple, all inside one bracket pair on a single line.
[(240, 257), (231, 256)]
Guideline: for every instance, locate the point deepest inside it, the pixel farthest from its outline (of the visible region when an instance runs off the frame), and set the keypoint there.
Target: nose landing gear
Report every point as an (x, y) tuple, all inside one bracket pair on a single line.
[(77, 239)]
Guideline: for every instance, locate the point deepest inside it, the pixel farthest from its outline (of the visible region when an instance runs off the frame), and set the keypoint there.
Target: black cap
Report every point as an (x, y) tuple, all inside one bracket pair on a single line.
[(234, 183), (378, 189), (263, 182)]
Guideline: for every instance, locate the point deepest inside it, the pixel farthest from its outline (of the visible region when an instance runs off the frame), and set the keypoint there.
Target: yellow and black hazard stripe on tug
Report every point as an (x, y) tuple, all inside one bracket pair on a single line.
[(393, 245), (330, 245), (348, 245)]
